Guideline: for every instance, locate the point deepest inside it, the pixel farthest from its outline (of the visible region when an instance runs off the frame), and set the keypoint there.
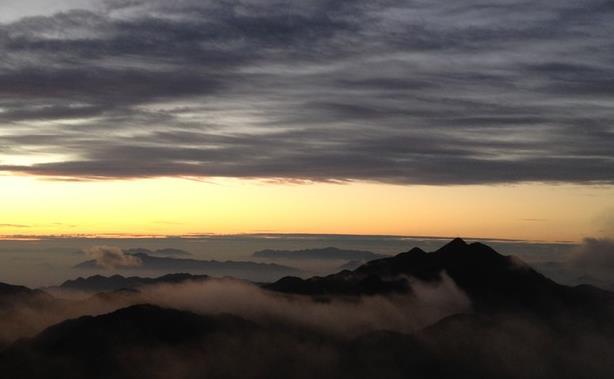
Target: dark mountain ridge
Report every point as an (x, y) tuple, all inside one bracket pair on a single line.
[(99, 283), (493, 282), (326, 253), (167, 252), (11, 295), (146, 341), (239, 269), (92, 346)]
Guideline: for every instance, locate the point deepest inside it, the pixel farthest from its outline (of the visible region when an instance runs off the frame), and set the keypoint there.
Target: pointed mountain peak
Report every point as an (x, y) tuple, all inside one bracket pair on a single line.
[(455, 243), (454, 246), (416, 250)]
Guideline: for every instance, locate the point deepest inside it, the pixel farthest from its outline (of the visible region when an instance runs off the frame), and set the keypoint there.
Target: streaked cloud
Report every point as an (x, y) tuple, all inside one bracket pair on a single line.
[(409, 92)]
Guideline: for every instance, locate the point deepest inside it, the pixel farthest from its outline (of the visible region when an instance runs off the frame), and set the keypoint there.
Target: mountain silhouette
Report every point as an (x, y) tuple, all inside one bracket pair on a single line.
[(11, 295), (145, 341), (167, 252), (99, 283), (16, 303), (493, 282), (92, 346), (326, 253), (238, 269), (351, 265)]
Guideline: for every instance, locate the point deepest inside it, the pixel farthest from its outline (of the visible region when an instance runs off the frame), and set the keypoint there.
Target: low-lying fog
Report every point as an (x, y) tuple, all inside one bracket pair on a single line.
[(427, 303)]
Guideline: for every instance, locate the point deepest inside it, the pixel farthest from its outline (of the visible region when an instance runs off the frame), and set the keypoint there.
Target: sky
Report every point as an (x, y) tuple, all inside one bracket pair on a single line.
[(441, 118)]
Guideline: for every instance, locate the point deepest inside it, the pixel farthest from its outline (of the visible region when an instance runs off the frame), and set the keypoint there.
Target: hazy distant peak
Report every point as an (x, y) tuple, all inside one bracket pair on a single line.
[(255, 271), (330, 252), (166, 252), (98, 283)]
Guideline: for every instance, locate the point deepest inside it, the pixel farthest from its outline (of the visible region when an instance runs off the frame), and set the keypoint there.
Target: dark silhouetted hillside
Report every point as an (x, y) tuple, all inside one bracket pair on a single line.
[(11, 295), (494, 282), (99, 283), (146, 341)]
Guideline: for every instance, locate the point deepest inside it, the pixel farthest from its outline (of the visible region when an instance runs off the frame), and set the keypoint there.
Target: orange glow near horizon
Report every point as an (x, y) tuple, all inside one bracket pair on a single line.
[(170, 206)]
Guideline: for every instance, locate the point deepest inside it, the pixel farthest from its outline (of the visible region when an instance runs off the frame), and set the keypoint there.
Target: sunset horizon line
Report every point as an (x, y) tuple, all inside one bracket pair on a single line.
[(187, 236)]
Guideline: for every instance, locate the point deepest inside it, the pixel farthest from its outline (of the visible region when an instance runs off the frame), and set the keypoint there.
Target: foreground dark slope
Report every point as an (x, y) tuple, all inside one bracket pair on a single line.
[(25, 312), (13, 299), (523, 326), (145, 341)]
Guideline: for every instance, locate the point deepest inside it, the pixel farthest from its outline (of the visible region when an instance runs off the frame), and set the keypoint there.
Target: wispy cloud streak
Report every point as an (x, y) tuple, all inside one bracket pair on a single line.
[(420, 92)]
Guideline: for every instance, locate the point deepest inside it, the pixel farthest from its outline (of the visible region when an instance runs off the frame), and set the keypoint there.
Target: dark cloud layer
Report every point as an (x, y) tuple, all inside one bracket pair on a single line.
[(425, 92)]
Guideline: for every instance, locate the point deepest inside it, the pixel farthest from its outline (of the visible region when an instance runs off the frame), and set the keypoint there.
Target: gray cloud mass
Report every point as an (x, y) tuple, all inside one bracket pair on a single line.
[(111, 257), (407, 92)]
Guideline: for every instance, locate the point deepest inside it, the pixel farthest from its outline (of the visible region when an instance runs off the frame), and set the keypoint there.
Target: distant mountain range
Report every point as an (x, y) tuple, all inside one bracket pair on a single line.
[(99, 283), (243, 270), (327, 253), (168, 252), (521, 325)]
